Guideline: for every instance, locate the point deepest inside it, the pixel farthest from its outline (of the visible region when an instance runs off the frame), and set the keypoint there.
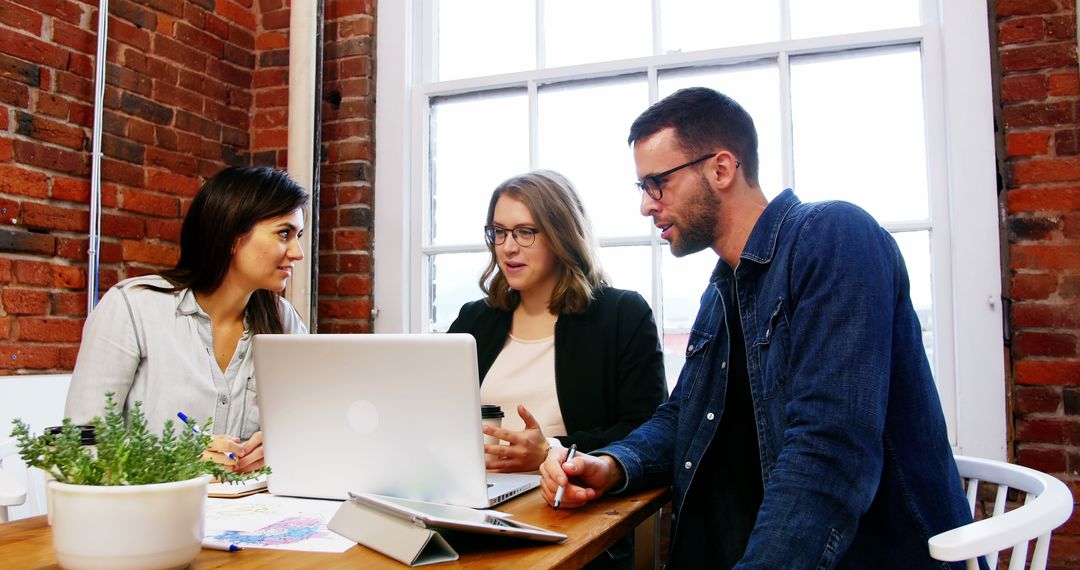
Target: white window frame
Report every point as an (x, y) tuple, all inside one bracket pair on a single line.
[(963, 188)]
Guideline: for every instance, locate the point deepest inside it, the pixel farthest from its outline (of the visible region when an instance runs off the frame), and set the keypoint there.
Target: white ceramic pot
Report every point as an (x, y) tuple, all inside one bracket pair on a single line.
[(128, 526)]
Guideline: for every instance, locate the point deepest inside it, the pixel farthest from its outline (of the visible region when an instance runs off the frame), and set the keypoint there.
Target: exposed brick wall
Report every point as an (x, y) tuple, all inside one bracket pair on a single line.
[(191, 86), (1039, 98), (348, 156)]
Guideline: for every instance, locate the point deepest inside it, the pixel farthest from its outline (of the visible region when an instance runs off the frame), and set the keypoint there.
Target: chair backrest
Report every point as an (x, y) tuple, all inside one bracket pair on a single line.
[(40, 399), (1048, 503), (12, 492)]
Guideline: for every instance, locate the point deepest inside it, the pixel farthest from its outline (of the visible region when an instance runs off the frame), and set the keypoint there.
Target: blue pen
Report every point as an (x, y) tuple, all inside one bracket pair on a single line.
[(195, 428), (215, 545)]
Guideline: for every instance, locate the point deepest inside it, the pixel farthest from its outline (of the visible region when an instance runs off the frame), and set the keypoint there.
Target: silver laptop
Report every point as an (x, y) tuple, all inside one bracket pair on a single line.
[(387, 414)]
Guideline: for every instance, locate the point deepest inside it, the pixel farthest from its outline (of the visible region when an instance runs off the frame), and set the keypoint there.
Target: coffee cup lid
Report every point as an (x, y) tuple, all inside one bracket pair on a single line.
[(491, 411)]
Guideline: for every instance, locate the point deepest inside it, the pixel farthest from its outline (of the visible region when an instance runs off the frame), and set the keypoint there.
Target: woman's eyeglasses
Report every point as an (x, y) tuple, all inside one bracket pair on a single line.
[(524, 236)]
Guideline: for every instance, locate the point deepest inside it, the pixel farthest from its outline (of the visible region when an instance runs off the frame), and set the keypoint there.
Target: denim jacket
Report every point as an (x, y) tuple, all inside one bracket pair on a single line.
[(855, 459)]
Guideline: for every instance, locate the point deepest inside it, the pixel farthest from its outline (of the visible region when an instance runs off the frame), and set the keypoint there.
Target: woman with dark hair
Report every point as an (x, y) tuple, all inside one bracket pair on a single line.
[(578, 360), (181, 341)]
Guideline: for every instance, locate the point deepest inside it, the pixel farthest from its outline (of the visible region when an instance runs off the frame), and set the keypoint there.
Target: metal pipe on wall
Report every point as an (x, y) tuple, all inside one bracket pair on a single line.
[(93, 248)]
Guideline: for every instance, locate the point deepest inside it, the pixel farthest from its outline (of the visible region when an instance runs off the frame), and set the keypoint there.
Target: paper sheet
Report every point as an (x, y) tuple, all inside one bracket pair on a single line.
[(269, 521)]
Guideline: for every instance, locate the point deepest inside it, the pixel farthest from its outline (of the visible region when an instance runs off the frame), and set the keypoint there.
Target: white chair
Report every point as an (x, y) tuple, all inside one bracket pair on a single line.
[(1047, 505), (12, 492)]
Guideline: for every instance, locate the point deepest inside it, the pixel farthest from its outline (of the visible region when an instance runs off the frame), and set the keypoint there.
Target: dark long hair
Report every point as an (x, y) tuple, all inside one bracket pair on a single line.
[(228, 206), (560, 216)]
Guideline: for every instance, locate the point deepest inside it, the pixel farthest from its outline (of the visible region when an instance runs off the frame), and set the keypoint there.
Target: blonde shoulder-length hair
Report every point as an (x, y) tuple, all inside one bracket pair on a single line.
[(561, 219)]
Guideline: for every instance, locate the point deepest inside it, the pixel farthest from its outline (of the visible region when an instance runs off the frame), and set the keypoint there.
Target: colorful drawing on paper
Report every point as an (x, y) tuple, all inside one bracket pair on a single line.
[(280, 523)]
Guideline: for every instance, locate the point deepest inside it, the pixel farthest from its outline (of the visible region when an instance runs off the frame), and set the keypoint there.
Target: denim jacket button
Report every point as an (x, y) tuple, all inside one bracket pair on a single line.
[(723, 365), (709, 416), (688, 465)]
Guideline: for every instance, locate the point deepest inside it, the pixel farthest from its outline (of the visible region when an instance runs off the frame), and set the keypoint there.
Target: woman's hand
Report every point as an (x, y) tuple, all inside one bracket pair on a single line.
[(250, 457), (241, 457), (527, 450)]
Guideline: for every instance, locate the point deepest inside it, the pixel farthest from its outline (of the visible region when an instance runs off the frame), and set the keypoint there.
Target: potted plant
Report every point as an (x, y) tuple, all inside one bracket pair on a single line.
[(136, 501)]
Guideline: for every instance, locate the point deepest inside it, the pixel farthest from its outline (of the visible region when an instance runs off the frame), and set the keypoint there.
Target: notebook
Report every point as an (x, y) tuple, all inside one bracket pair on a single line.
[(386, 414)]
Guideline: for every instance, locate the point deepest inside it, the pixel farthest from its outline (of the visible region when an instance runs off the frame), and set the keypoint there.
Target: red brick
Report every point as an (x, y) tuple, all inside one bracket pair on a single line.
[(1047, 460), (5, 328), (1033, 286), (28, 357), (349, 151), (55, 218), (338, 10), (1005, 8), (1024, 87), (5, 270), (66, 357), (75, 38), (1064, 84), (168, 230), (124, 32), (1043, 315), (1036, 399), (9, 211), (1032, 114), (150, 203), (29, 272), (72, 248), (68, 276), (71, 189), (1063, 199), (1037, 256), (1047, 372), (151, 253), (49, 329), (1021, 30), (32, 49), (49, 131), (21, 241), (345, 240), (21, 18), (131, 227), (69, 303), (37, 154), (15, 180), (357, 285), (1036, 170), (272, 97), (234, 13), (272, 40), (346, 327), (175, 162), (1062, 26), (345, 309), (1060, 345), (52, 106), (1027, 143), (1067, 142), (1059, 430), (25, 301)]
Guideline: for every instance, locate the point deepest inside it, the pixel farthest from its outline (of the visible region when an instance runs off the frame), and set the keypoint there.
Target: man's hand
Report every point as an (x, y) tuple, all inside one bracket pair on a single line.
[(586, 477)]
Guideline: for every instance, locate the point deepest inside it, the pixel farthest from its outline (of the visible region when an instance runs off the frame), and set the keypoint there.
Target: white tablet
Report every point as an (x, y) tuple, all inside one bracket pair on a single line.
[(440, 516)]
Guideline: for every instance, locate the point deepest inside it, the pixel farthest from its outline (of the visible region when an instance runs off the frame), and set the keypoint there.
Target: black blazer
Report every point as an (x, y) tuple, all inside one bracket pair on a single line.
[(609, 369)]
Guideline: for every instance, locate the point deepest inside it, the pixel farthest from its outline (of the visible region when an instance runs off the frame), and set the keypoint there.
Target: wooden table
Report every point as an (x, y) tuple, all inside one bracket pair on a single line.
[(27, 543)]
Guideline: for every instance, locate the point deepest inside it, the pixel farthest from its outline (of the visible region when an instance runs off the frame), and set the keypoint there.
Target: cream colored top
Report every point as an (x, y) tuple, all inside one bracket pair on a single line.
[(524, 373)]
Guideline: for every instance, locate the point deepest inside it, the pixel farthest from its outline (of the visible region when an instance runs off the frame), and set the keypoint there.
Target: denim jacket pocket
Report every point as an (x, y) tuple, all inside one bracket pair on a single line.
[(772, 346), (696, 350)]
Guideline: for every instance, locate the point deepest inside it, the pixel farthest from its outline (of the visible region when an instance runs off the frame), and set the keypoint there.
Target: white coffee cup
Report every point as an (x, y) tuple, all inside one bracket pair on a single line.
[(491, 415)]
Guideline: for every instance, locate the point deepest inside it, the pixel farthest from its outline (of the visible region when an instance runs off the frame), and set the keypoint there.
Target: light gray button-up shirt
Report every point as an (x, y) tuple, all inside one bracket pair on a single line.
[(158, 348)]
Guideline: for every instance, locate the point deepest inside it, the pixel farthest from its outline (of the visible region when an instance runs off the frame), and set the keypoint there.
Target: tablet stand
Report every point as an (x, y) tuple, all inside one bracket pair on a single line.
[(391, 536)]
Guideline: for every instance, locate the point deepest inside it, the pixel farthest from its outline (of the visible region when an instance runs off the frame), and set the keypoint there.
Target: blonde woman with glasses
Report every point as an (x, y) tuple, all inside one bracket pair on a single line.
[(571, 360)]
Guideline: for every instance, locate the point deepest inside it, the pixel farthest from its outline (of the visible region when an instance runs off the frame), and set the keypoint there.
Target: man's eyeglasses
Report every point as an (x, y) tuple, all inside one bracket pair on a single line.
[(524, 236), (652, 184)]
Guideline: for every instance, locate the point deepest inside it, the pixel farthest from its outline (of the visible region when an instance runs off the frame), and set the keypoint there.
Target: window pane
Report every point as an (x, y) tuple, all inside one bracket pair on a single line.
[(582, 134), (685, 279), (858, 131), (468, 49), (689, 25), (596, 30), (455, 279), (915, 247), (628, 268), (756, 87), (813, 18), (477, 141)]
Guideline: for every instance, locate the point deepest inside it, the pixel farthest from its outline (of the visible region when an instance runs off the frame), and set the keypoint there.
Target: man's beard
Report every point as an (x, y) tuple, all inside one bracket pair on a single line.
[(697, 231)]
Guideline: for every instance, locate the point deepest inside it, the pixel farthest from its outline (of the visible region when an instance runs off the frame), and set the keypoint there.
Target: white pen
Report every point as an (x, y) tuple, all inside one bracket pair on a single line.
[(215, 545), (562, 488)]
